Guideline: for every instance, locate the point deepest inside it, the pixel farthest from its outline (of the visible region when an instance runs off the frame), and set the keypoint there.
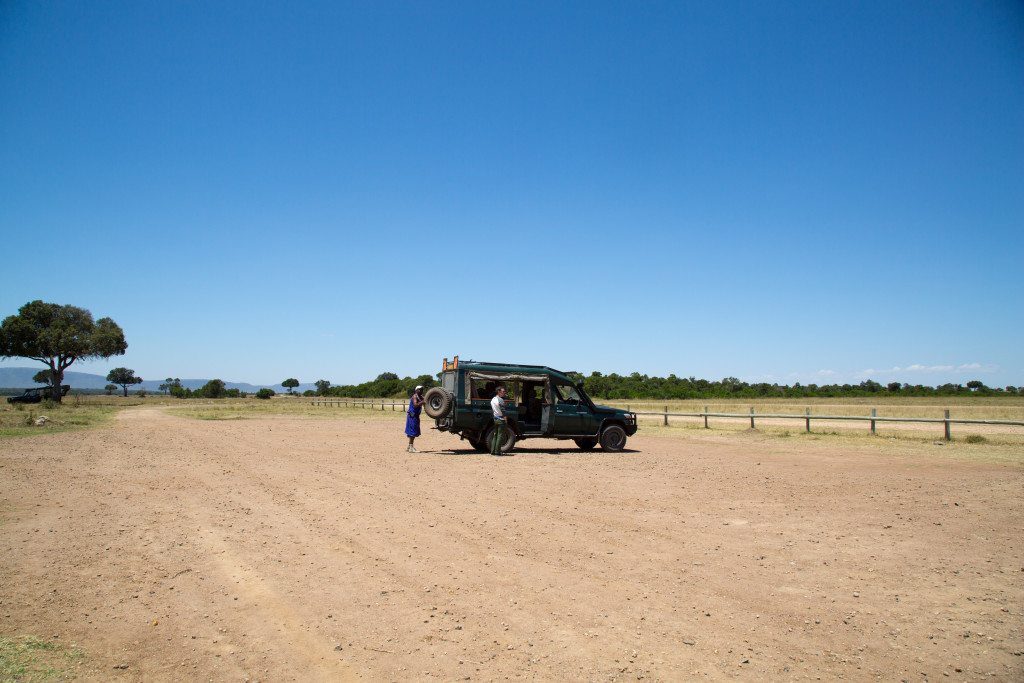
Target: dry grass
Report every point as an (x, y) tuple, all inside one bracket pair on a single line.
[(978, 442), (18, 419), (980, 408), (243, 408)]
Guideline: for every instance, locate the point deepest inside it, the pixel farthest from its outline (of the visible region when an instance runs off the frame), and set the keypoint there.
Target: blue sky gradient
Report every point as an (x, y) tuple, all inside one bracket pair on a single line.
[(813, 192)]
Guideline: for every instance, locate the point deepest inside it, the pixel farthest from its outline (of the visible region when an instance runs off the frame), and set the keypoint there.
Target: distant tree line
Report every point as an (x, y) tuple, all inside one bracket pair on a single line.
[(215, 388), (637, 386), (387, 385)]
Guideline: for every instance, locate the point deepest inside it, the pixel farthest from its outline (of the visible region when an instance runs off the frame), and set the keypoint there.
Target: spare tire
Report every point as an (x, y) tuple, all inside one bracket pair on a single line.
[(438, 402)]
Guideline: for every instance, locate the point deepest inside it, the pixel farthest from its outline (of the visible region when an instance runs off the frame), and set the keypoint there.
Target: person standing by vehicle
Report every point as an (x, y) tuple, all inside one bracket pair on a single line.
[(412, 418), (500, 420)]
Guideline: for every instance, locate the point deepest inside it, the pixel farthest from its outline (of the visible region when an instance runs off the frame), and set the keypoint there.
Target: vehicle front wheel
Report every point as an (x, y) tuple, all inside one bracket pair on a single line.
[(506, 447), (586, 444), (478, 444), (613, 438)]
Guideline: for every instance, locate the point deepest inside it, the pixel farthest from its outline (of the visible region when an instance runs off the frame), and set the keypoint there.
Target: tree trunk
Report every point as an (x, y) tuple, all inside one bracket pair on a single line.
[(125, 387), (56, 379)]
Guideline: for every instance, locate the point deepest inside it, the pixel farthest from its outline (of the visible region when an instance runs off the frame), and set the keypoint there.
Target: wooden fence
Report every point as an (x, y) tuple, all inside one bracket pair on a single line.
[(873, 418), (806, 417)]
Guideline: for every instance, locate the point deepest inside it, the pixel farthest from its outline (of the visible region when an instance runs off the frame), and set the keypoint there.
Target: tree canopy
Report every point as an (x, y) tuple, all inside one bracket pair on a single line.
[(124, 377), (290, 384), (57, 336)]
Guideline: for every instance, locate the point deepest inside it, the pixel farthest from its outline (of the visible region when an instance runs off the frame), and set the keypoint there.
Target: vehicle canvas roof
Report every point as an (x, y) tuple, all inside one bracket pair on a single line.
[(487, 366)]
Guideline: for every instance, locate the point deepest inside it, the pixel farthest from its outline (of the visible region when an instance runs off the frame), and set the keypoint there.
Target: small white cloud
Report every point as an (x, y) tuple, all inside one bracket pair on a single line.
[(826, 373), (969, 366), (917, 367)]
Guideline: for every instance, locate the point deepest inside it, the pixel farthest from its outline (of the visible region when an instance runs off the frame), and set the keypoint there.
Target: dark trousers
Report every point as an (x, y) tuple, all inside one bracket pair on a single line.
[(497, 436)]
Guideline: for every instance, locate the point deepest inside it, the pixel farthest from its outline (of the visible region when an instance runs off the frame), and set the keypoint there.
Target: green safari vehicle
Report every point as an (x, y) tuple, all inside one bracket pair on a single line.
[(541, 403)]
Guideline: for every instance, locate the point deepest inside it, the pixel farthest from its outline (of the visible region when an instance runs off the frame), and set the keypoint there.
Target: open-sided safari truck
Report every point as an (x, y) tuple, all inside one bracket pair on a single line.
[(38, 394), (541, 402)]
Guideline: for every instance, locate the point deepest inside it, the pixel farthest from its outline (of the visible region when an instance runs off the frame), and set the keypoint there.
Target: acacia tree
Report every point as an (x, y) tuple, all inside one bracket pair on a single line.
[(43, 377), (124, 377), (322, 386), (290, 384), (110, 389), (57, 336)]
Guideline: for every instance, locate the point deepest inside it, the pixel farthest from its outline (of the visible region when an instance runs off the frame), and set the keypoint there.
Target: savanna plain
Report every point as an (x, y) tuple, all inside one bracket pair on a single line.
[(274, 540)]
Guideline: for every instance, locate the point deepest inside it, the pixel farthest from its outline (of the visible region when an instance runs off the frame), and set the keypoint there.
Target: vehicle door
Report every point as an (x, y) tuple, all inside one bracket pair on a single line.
[(546, 410), (572, 413)]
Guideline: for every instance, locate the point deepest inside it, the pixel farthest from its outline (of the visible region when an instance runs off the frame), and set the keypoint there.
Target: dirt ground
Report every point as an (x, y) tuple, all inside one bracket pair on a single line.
[(285, 548)]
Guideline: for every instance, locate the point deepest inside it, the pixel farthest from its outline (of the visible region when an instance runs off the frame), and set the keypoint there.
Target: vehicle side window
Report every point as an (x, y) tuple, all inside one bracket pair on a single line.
[(484, 389), (566, 393)]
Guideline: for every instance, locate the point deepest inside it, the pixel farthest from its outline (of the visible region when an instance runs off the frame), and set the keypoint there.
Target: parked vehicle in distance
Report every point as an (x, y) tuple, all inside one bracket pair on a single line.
[(37, 394), (541, 403)]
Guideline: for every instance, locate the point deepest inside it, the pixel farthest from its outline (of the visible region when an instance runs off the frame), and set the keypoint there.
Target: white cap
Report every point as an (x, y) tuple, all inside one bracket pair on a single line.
[(419, 386)]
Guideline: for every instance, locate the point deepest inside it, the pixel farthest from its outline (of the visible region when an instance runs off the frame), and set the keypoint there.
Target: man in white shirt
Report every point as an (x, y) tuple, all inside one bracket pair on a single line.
[(500, 420)]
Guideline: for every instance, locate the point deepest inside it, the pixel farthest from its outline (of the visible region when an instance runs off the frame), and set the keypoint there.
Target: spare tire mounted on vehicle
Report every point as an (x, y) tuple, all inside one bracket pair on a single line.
[(438, 402)]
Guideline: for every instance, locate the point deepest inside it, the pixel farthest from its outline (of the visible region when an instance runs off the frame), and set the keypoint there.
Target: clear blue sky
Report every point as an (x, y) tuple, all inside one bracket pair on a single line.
[(801, 191)]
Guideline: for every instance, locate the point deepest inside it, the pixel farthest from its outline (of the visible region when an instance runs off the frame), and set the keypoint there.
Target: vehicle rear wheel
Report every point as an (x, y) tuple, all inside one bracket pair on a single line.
[(613, 438), (438, 402), (506, 447), (478, 443), (586, 444)]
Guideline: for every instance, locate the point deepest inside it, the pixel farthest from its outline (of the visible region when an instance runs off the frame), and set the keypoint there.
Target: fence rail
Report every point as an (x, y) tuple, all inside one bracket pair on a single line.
[(807, 417), (873, 418)]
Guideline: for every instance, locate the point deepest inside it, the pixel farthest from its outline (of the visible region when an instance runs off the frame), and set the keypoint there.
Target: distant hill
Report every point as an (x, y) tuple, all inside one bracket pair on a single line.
[(21, 378)]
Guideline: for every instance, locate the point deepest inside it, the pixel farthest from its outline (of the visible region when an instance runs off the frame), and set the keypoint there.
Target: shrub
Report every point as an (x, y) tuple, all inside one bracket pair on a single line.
[(975, 438), (264, 393), (212, 389)]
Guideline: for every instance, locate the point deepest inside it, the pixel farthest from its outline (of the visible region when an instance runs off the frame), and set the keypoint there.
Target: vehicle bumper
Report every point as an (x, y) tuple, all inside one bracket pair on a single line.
[(630, 424)]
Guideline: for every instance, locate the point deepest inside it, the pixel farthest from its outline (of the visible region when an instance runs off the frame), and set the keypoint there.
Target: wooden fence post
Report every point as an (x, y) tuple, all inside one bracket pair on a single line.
[(666, 416), (873, 416), (705, 417), (948, 437), (807, 412), (752, 417)]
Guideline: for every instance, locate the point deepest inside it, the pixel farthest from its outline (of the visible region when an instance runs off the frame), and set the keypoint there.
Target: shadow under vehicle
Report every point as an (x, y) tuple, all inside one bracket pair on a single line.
[(541, 403), (38, 394)]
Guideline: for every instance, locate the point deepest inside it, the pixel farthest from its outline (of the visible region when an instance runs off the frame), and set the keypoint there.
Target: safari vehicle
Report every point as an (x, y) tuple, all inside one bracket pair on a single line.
[(541, 403), (37, 394)]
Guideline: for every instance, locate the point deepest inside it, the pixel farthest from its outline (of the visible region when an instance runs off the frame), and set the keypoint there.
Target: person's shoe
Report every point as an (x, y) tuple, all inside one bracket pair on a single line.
[(408, 449), (412, 449)]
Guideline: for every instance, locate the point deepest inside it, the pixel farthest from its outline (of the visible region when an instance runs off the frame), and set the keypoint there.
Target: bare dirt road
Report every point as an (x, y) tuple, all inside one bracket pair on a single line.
[(284, 548)]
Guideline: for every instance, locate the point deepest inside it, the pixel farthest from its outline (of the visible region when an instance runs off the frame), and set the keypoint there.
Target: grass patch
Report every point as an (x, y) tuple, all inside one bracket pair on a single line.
[(18, 420), (1002, 448), (30, 659), (249, 408)]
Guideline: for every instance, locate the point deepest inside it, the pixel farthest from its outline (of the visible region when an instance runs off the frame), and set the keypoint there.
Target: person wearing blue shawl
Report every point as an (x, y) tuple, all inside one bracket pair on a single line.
[(412, 418)]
